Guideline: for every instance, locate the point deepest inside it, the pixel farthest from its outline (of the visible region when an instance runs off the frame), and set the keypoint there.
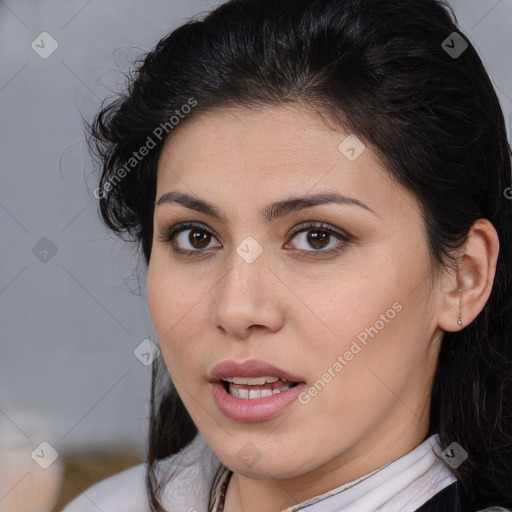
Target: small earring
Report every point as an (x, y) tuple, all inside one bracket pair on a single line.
[(459, 319)]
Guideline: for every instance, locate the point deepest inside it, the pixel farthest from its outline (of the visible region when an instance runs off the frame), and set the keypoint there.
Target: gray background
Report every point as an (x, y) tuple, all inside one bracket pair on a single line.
[(69, 326)]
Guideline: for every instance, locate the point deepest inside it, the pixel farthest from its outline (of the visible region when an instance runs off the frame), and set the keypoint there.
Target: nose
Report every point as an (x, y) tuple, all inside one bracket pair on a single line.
[(248, 298)]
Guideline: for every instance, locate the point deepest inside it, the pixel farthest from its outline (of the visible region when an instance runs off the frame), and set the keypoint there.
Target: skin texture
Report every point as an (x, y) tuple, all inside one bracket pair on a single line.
[(298, 312)]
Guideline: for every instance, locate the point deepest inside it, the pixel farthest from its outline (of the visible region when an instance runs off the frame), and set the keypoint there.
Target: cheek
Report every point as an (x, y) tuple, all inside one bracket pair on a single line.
[(176, 309), (350, 301), (369, 317), (164, 305)]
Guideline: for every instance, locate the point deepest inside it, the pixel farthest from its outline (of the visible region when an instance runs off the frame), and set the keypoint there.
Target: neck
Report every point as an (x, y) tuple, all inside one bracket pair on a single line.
[(274, 495)]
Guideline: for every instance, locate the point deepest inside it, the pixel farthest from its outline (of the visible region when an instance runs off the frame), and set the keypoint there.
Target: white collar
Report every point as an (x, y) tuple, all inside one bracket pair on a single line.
[(404, 484)]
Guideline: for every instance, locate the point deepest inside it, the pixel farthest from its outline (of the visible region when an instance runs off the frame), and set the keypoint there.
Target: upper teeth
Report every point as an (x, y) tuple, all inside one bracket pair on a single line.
[(252, 381)]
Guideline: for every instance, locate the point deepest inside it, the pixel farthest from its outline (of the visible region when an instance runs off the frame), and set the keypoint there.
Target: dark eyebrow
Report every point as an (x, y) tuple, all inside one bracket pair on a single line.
[(271, 212)]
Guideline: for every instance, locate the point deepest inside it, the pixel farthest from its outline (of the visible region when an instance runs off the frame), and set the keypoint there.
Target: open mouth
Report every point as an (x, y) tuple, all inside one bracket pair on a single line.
[(256, 387), (257, 397)]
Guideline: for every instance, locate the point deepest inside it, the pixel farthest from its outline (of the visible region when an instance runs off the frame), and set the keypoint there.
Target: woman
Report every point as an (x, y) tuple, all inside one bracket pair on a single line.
[(318, 188)]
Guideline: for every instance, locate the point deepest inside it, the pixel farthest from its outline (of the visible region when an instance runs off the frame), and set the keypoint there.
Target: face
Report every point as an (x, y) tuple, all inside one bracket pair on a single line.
[(333, 295)]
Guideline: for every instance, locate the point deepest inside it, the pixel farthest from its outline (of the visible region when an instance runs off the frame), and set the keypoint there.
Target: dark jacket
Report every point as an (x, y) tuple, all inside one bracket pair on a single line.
[(452, 499)]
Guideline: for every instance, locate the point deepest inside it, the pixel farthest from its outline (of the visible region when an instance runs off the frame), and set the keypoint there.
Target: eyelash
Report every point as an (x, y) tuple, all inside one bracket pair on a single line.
[(168, 235)]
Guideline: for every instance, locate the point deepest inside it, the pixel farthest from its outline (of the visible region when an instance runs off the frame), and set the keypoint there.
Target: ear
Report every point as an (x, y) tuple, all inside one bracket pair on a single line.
[(466, 292)]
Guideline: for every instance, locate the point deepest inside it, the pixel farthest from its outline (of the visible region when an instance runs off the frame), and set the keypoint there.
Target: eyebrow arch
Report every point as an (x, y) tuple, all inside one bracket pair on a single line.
[(271, 212)]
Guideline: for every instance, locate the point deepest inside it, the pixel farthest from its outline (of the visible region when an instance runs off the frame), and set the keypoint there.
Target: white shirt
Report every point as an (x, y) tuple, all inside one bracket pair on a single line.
[(402, 485)]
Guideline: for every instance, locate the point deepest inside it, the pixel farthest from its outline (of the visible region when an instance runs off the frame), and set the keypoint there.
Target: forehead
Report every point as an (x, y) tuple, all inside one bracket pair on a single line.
[(288, 134), (246, 154)]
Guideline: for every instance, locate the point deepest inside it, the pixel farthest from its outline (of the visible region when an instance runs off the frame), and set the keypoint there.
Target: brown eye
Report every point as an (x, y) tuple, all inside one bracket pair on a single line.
[(187, 238), (199, 239), (318, 239)]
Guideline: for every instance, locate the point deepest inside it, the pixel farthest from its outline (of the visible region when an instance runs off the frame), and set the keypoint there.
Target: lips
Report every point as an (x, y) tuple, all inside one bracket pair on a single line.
[(251, 368), (241, 396)]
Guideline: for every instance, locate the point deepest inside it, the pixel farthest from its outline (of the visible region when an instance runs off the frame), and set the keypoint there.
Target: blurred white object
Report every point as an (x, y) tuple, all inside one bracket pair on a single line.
[(30, 468)]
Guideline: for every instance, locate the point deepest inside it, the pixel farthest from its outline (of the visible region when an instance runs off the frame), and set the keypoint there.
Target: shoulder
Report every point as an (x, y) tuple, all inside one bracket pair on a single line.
[(495, 509), (189, 475), (124, 491), (449, 499)]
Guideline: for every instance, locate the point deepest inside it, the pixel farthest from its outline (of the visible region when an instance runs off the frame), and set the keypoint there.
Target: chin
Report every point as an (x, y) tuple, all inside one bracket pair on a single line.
[(280, 467)]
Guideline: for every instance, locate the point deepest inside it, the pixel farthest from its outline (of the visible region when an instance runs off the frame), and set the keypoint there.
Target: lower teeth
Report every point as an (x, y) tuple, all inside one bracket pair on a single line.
[(256, 393)]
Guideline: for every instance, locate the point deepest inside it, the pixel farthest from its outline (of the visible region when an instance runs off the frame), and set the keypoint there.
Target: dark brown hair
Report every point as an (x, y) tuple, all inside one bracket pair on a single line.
[(383, 70)]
